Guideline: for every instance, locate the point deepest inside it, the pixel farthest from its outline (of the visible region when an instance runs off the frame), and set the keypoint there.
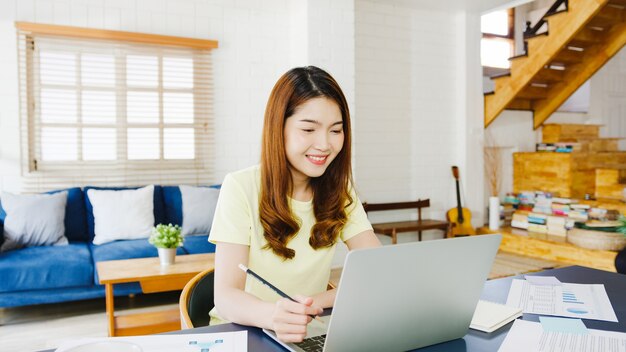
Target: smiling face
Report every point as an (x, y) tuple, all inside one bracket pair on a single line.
[(313, 138)]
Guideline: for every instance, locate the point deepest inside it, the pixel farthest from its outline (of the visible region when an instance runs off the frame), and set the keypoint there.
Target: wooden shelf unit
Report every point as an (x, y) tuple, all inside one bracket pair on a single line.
[(596, 169), (553, 248)]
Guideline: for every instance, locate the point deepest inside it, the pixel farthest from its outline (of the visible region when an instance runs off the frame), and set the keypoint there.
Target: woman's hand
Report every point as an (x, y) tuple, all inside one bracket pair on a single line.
[(290, 318)]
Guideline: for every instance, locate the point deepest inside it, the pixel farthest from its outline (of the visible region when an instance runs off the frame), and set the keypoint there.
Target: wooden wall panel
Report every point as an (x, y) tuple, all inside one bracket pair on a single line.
[(583, 183), (551, 172), (553, 133)]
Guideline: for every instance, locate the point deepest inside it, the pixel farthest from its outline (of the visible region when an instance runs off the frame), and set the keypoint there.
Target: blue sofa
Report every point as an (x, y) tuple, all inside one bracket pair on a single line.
[(50, 274)]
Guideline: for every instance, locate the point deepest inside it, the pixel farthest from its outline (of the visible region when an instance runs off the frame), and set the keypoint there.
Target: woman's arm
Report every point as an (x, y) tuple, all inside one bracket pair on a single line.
[(365, 239), (288, 319)]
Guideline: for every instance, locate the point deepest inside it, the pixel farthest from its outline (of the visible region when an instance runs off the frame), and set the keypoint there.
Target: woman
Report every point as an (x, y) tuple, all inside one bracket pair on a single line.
[(620, 262), (283, 218)]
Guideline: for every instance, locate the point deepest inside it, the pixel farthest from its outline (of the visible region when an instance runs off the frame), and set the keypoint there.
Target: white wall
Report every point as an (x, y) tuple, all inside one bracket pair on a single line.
[(258, 41), (418, 81), (411, 76), (9, 108)]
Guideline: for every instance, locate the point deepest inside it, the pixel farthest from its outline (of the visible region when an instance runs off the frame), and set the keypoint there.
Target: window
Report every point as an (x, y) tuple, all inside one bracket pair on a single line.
[(92, 105), (497, 42)]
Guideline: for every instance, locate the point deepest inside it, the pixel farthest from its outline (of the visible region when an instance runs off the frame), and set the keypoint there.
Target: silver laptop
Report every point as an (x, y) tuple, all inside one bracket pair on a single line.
[(406, 296)]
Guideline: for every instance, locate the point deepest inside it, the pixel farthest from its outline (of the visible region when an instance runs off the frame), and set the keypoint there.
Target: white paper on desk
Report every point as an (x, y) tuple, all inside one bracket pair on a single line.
[(568, 300), (234, 341), (543, 280), (527, 336)]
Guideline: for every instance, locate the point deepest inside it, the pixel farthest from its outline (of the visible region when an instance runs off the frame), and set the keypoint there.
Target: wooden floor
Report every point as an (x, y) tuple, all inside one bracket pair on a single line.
[(36, 328)]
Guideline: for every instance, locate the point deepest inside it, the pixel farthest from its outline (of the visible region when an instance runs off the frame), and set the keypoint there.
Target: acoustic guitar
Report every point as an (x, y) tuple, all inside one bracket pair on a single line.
[(459, 217)]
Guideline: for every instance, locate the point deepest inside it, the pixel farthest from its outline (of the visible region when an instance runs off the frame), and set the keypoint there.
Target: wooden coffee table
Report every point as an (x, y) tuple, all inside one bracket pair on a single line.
[(153, 278)]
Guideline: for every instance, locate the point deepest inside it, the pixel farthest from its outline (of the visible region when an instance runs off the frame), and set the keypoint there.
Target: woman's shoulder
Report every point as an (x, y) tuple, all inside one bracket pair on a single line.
[(246, 179), (251, 172)]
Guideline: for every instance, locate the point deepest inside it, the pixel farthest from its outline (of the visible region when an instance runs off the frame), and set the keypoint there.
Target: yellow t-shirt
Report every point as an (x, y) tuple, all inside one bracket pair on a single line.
[(237, 221)]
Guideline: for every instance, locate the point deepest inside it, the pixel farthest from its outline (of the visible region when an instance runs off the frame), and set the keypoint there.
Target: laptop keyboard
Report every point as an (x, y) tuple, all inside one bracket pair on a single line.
[(312, 344)]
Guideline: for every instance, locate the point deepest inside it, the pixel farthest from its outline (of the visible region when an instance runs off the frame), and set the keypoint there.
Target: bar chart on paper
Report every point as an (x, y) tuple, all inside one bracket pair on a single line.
[(566, 300), (573, 304)]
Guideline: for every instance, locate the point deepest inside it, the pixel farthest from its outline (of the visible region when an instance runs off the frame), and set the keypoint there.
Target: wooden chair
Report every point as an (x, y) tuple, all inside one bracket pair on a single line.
[(393, 228), (196, 300)]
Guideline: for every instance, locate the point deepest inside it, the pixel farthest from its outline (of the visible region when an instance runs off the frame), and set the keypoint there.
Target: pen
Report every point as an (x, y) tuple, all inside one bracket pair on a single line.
[(272, 287)]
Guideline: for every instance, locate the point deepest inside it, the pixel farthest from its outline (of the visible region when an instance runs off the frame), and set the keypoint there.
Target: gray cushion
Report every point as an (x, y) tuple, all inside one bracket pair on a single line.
[(33, 220), (198, 209)]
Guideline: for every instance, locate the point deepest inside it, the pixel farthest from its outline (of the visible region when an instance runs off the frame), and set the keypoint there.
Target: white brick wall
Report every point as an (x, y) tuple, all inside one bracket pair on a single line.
[(9, 107), (408, 93), (253, 53), (402, 70), (258, 41)]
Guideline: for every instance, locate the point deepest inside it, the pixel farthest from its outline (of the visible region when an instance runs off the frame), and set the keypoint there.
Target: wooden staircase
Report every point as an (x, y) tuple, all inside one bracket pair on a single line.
[(579, 41)]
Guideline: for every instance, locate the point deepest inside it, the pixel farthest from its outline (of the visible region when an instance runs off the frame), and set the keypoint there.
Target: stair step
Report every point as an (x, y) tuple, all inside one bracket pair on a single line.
[(504, 74), (520, 104), (547, 75), (589, 36), (518, 56), (567, 56), (608, 17), (611, 14), (533, 93)]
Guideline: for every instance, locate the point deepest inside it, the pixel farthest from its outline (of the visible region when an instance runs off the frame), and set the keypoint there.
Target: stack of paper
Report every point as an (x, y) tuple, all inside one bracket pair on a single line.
[(491, 316)]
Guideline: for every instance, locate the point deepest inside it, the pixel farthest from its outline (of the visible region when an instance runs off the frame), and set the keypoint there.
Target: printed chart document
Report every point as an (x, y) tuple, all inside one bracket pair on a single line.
[(527, 336), (566, 300), (215, 342)]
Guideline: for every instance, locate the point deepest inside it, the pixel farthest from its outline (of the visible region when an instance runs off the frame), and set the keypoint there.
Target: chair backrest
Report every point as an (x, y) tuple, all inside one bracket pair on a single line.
[(196, 300), (419, 204)]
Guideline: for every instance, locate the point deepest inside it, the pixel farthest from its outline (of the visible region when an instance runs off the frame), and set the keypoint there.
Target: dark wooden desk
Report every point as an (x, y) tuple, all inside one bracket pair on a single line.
[(496, 291)]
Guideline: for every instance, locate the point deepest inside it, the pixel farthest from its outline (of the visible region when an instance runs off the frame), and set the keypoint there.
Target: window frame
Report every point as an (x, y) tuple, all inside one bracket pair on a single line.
[(509, 37), (122, 44)]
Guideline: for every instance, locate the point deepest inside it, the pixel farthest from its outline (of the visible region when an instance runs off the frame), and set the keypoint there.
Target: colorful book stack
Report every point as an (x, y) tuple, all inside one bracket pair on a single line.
[(519, 221), (560, 209), (545, 147), (526, 201), (511, 198), (543, 204), (556, 226), (579, 212), (537, 223), (507, 212), (597, 214), (562, 147)]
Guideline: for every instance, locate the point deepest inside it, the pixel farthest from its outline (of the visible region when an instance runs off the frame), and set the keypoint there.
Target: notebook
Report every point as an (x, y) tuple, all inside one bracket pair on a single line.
[(405, 296), (490, 316)]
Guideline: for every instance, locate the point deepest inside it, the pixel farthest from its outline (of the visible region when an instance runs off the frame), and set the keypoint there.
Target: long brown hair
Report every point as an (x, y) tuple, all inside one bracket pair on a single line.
[(331, 193)]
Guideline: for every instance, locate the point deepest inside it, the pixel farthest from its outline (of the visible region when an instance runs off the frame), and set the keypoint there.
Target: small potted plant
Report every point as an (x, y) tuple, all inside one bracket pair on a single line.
[(166, 238)]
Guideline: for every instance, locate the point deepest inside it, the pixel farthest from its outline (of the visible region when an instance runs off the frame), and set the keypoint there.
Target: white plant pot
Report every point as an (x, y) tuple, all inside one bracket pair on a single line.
[(167, 255), (494, 213)]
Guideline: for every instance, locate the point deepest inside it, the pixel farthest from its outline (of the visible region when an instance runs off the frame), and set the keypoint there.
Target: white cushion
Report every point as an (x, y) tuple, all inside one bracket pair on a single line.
[(122, 215), (198, 209), (33, 220)]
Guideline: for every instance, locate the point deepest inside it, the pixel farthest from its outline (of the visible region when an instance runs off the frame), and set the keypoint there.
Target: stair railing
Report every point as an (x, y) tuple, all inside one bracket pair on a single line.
[(532, 30)]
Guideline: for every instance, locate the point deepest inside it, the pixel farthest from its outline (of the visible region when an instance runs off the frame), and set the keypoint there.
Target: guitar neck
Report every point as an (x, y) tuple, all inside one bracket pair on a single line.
[(458, 203)]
